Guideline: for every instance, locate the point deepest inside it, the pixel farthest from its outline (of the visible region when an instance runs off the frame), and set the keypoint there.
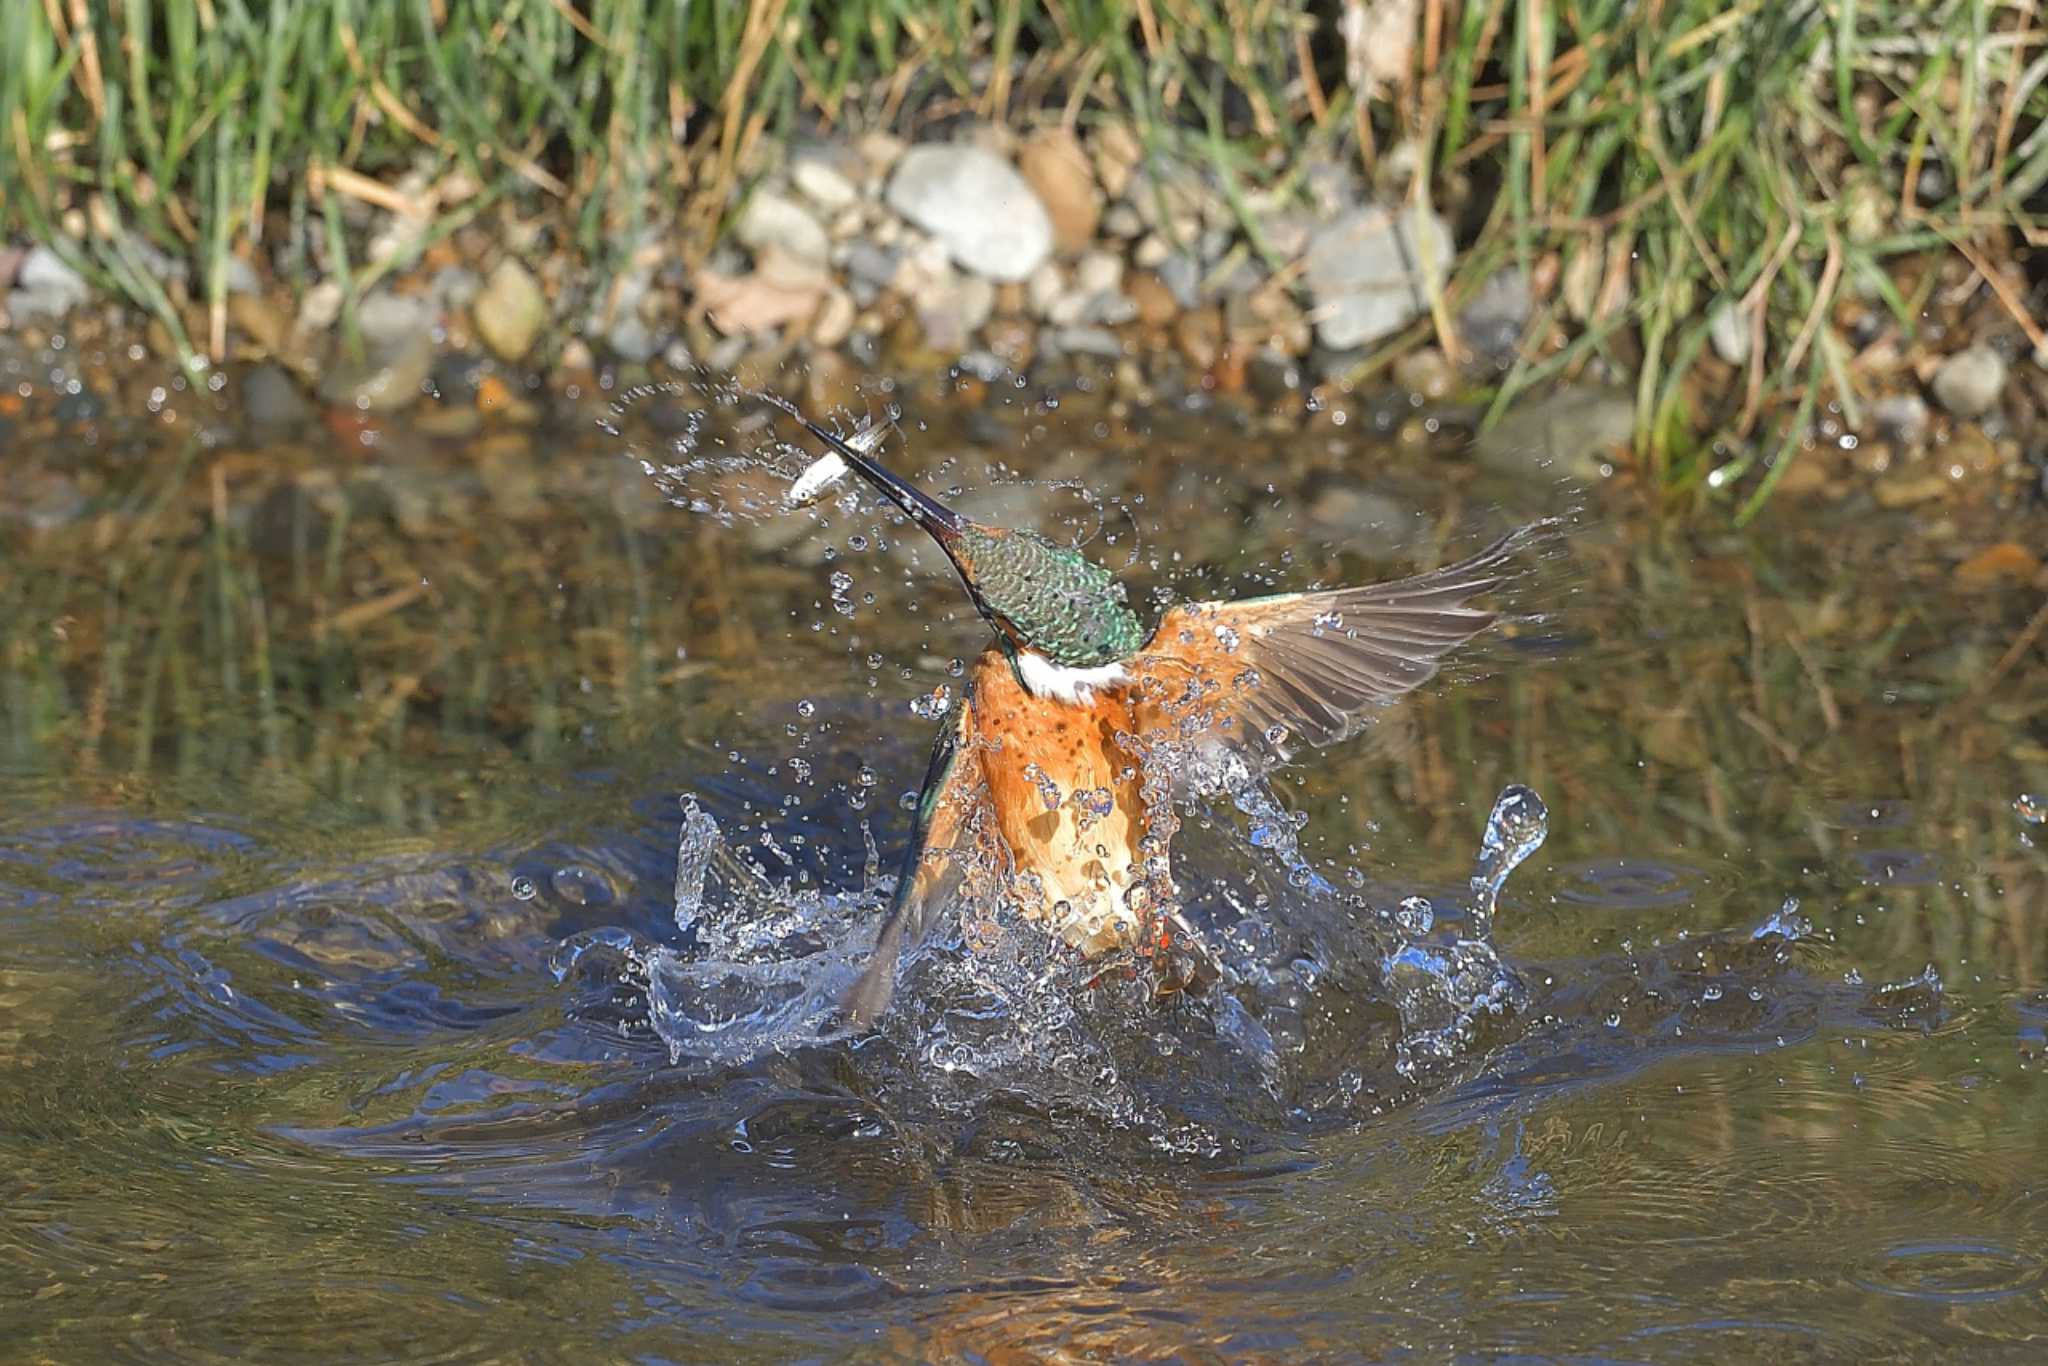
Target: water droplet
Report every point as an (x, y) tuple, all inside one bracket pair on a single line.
[(2032, 809), (1415, 915), (1516, 828), (523, 889), (806, 708)]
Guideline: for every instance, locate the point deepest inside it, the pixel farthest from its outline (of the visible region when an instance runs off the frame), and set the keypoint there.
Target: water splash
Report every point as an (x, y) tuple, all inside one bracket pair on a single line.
[(1516, 828), (1785, 923), (1447, 979)]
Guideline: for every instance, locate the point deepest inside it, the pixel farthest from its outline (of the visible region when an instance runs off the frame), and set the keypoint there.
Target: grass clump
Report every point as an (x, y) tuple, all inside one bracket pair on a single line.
[(1661, 171)]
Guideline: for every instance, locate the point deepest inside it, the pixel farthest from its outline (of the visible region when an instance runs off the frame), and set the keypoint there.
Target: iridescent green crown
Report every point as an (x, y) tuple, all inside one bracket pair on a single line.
[(1065, 607)]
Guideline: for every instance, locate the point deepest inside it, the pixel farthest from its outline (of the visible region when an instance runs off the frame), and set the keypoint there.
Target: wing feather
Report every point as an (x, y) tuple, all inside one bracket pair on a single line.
[(1314, 667)]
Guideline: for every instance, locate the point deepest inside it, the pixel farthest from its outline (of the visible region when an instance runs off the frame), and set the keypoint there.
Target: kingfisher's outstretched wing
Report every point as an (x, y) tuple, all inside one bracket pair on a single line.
[(1265, 675), (934, 863)]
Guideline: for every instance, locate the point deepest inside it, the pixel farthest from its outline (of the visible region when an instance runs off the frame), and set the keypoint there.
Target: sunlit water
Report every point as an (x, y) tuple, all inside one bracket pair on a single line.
[(1571, 1014)]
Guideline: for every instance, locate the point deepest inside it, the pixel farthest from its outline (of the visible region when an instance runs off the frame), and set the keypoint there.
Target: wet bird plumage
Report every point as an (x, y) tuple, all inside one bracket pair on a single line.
[(1038, 779)]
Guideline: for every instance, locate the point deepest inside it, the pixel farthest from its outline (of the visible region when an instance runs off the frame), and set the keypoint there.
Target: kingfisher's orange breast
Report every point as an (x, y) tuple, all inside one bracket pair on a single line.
[(1066, 800)]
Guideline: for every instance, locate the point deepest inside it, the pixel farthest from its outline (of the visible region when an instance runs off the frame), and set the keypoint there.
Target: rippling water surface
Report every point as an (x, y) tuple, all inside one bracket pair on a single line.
[(346, 1010)]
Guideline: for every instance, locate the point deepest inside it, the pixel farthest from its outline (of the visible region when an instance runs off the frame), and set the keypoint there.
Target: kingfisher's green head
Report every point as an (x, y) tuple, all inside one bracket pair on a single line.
[(1045, 597), (1042, 597)]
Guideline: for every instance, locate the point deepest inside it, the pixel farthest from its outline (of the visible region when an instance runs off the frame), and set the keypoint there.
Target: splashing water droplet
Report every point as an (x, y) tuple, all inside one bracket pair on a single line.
[(807, 708), (1516, 829), (1785, 922), (694, 848), (1415, 915), (932, 705), (523, 889), (2032, 809)]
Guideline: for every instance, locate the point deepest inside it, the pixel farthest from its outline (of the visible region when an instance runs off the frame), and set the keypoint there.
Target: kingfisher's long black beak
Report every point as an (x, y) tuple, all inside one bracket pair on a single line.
[(928, 512)]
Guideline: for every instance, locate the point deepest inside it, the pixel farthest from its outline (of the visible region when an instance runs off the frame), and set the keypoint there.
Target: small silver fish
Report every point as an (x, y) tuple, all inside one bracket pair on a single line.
[(829, 468)]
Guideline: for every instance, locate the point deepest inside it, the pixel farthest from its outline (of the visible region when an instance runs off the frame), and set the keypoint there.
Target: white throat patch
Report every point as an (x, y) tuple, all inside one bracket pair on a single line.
[(1043, 678)]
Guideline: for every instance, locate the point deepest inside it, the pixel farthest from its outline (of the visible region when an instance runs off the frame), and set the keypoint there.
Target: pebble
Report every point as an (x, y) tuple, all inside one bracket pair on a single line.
[(773, 220), (1969, 383), (871, 264), (1904, 417), (1044, 289), (389, 320), (1199, 335), (387, 374), (1121, 221), (819, 181), (45, 287), (1370, 272), (510, 310), (1494, 318), (1155, 303), (1098, 271), (991, 222), (1052, 161), (1182, 274), (1728, 328), (1086, 341), (834, 320), (320, 306)]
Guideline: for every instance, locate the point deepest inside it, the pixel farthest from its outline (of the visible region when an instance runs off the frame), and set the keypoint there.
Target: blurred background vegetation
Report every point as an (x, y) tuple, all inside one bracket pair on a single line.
[(1654, 167)]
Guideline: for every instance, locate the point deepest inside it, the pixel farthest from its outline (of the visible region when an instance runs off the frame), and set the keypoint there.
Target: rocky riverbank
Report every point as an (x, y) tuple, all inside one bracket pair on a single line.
[(1044, 258)]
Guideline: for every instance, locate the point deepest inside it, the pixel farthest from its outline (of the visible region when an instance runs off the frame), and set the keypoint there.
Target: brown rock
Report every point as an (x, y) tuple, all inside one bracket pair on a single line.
[(1156, 304), (1200, 337), (1053, 162), (262, 322), (2006, 560)]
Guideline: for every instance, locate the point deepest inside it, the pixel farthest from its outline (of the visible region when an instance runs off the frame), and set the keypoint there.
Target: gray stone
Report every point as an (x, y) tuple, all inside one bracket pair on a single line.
[(951, 308), (819, 181), (871, 264), (1564, 433), (985, 366), (1728, 328), (1968, 383), (1370, 272), (454, 287), (1902, 417), (1349, 509), (978, 205), (390, 320), (1123, 223), (1044, 290), (1110, 308), (510, 311), (1182, 275), (631, 339), (1087, 341), (772, 220), (44, 287), (1493, 321), (271, 400)]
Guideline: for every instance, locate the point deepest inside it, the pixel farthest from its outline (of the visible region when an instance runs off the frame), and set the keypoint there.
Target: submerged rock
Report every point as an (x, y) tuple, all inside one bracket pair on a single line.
[(270, 400), (1370, 272), (388, 371), (977, 204), (1564, 433)]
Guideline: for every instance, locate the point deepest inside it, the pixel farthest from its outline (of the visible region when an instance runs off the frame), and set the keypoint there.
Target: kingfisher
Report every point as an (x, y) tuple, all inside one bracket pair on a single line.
[(1045, 773)]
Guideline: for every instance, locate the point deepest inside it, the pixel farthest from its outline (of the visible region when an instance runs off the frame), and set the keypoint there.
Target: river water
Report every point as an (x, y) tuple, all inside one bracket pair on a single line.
[(346, 1009)]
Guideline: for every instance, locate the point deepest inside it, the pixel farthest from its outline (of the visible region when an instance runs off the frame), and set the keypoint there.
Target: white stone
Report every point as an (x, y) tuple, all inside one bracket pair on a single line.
[(820, 182), (977, 204), (1968, 383), (771, 220)]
